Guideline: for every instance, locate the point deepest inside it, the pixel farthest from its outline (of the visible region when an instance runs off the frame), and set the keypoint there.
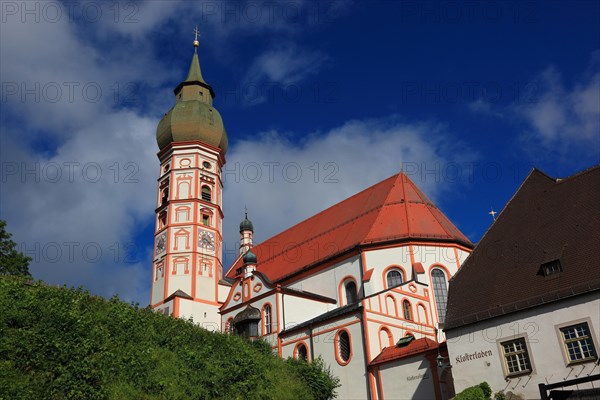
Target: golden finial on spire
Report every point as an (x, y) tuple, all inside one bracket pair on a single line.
[(196, 33)]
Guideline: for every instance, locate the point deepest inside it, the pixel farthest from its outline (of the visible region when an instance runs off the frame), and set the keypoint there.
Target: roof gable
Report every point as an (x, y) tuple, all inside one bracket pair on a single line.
[(545, 220), (393, 209)]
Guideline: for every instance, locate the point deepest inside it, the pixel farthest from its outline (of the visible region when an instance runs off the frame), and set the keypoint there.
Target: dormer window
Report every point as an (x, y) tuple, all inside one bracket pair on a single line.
[(551, 268)]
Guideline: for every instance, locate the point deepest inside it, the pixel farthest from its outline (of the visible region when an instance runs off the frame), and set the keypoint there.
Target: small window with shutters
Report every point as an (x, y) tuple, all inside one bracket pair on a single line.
[(206, 193)]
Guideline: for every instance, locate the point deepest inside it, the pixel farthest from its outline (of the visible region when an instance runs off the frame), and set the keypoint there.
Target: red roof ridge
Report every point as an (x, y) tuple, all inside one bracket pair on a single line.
[(406, 208), (288, 248), (374, 215), (414, 348), (334, 205)]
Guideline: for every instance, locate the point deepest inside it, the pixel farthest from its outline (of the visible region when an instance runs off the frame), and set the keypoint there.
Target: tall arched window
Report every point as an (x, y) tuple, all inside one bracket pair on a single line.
[(390, 304), (406, 310), (206, 193), (343, 347), (394, 278), (267, 320), (440, 291), (351, 292)]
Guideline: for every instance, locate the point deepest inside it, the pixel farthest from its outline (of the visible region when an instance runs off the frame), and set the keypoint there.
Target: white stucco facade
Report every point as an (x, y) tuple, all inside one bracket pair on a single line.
[(476, 353)]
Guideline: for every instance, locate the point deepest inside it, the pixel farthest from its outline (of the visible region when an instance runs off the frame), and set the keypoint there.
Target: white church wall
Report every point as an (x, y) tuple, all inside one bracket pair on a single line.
[(203, 314), (476, 354), (326, 282), (299, 309), (380, 259), (179, 282), (408, 379), (223, 291)]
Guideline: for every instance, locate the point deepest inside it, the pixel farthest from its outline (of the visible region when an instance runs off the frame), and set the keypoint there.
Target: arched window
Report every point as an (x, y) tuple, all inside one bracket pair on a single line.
[(385, 338), (406, 310), (440, 291), (343, 347), (351, 292), (206, 193), (267, 320), (390, 304), (394, 278), (301, 352)]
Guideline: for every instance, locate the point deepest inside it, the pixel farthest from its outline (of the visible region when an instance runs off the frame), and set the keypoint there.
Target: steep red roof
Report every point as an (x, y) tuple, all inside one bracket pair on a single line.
[(393, 209), (392, 353), (546, 220)]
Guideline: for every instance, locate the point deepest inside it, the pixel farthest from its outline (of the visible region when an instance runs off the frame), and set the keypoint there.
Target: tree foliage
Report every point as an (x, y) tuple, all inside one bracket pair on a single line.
[(12, 261), (59, 343), (317, 376), (483, 391)]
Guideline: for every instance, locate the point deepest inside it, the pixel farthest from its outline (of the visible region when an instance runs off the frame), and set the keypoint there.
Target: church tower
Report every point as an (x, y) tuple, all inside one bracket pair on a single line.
[(188, 241)]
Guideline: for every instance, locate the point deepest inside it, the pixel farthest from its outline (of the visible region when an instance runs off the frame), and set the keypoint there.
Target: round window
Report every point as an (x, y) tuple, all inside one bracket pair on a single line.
[(206, 164)]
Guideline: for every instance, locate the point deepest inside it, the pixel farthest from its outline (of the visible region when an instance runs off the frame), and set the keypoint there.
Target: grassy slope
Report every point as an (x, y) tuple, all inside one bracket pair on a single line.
[(58, 343)]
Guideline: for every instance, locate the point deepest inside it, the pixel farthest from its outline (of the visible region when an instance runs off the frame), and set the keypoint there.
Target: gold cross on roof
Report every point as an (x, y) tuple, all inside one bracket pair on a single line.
[(196, 34)]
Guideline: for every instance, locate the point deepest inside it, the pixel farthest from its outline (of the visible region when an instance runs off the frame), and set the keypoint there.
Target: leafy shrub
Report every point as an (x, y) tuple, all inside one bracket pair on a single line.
[(471, 393), (487, 390), (59, 343), (317, 376)]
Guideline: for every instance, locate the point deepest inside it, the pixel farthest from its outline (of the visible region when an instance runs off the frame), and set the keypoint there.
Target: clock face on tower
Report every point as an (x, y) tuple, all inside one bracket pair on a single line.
[(161, 243), (206, 240)]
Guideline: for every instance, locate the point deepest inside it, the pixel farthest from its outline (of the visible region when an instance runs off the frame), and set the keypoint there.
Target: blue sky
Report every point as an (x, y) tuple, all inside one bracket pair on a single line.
[(330, 97)]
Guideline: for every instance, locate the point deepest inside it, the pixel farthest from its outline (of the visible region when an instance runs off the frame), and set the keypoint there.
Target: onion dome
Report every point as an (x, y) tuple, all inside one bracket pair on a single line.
[(246, 225), (250, 258), (193, 117)]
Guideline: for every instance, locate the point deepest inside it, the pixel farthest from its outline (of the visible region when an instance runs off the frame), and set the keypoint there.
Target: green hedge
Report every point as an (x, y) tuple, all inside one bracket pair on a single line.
[(483, 391), (59, 343)]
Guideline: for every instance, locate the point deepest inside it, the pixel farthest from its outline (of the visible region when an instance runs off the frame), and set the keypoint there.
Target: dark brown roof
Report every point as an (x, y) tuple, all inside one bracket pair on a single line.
[(547, 219)]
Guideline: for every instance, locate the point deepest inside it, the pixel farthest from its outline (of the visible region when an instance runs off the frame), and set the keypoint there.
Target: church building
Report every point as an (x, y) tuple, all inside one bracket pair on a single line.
[(362, 284)]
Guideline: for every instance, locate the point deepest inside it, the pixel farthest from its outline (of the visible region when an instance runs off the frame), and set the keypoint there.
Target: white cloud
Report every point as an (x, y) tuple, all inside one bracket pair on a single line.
[(283, 66), (77, 211), (283, 183), (66, 157), (561, 117), (483, 107)]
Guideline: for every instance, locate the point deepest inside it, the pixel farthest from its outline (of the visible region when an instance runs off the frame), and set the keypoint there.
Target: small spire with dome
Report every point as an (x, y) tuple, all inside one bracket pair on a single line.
[(246, 233)]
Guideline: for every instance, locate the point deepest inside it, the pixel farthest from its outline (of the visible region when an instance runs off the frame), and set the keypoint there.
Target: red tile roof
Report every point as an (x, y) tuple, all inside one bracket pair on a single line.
[(394, 209), (415, 347), (547, 219)]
